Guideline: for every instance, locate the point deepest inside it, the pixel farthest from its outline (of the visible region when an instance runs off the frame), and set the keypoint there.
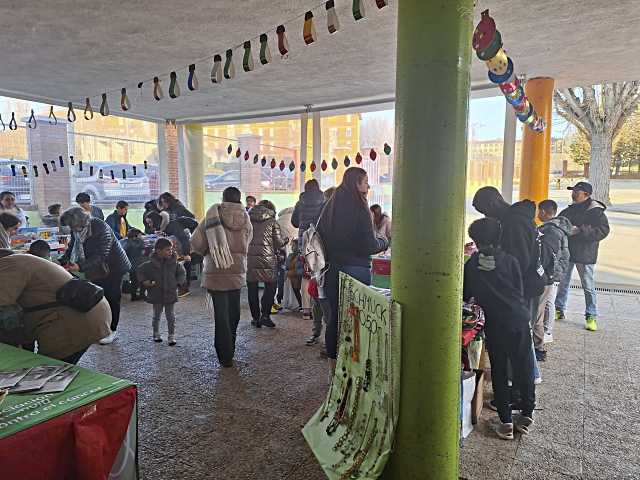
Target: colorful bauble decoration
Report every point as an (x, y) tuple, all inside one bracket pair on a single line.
[(487, 42)]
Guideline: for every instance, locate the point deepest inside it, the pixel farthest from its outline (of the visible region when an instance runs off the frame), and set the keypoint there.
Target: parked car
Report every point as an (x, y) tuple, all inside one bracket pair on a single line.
[(270, 180), (17, 184), (138, 187)]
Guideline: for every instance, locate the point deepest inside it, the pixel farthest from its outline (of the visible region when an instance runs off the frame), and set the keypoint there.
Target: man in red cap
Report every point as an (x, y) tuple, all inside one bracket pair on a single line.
[(590, 227)]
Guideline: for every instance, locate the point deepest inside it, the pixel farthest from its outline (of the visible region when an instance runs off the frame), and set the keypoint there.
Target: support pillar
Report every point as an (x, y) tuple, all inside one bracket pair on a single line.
[(304, 126), (195, 169), (317, 146), (536, 147), (508, 152), (432, 104)]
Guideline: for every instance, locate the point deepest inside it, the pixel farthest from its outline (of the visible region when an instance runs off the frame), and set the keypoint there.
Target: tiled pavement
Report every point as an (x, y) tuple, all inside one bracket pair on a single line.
[(199, 421)]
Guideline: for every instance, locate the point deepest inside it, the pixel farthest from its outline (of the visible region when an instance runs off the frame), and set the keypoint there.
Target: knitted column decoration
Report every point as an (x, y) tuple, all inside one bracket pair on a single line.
[(333, 24), (309, 30), (247, 60), (265, 51), (283, 43), (229, 68), (216, 71)]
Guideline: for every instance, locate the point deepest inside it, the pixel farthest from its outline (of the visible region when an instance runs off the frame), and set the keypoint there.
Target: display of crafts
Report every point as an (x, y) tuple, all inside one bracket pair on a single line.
[(353, 430), (472, 316), (487, 42)]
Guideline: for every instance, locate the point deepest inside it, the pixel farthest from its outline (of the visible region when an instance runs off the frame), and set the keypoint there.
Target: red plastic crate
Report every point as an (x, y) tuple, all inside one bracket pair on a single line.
[(381, 266)]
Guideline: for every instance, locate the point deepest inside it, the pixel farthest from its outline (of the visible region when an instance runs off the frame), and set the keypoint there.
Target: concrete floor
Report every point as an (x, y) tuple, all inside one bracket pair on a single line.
[(198, 421)]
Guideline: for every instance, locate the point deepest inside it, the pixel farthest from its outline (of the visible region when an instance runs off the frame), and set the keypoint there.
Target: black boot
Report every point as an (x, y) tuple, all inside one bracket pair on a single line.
[(267, 322)]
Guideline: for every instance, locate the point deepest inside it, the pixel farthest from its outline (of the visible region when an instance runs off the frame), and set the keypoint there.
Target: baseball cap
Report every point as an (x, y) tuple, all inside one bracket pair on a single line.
[(582, 186)]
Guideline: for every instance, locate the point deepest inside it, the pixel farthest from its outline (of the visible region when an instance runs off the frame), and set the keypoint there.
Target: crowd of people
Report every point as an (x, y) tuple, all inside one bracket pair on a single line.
[(519, 274)]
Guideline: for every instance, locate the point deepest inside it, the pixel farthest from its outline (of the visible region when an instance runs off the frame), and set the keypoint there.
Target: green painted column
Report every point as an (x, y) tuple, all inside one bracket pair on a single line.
[(194, 156), (432, 103)]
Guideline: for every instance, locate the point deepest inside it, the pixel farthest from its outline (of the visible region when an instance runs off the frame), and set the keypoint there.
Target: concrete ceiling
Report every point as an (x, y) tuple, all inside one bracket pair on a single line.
[(65, 50)]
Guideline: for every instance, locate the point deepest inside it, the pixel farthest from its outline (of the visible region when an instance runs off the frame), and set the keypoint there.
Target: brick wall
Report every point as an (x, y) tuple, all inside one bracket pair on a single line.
[(171, 139)]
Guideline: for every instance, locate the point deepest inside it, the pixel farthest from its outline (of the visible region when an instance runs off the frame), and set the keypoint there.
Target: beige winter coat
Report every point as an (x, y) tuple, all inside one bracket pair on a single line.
[(60, 331), (239, 231)]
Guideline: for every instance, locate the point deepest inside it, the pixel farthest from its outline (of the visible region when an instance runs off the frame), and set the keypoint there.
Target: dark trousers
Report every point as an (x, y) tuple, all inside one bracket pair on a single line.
[(136, 288), (267, 299), (226, 312), (112, 286), (75, 357), (332, 291), (296, 292), (282, 276), (513, 347)]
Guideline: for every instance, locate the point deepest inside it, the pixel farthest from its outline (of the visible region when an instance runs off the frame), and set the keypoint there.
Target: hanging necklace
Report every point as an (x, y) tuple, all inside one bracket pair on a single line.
[(367, 367), (342, 403)]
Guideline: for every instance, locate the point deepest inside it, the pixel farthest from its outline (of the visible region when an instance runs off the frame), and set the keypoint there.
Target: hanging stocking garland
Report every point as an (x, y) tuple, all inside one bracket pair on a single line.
[(247, 60), (32, 122), (53, 120), (333, 24), (292, 166), (61, 161), (273, 163), (158, 94), (46, 168), (174, 86), (282, 166), (347, 161), (53, 166), (35, 171), (358, 9), (334, 163), (373, 155), (303, 167), (80, 165), (313, 166), (91, 170), (256, 159), (125, 104), (229, 149), (124, 174), (309, 30), (24, 171), (238, 153), (263, 162), (265, 51), (387, 149), (323, 165), (192, 81), (216, 71), (13, 125), (246, 155), (13, 170), (88, 111), (358, 158), (135, 171), (71, 159), (229, 68), (104, 107), (100, 174), (71, 115), (283, 43)]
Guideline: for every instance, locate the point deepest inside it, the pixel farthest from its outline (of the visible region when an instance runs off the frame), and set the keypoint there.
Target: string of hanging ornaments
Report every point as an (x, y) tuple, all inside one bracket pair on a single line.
[(487, 42), (221, 69)]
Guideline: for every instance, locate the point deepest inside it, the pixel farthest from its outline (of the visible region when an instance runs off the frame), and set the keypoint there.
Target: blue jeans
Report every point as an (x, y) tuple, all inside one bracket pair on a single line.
[(587, 278), (332, 292)]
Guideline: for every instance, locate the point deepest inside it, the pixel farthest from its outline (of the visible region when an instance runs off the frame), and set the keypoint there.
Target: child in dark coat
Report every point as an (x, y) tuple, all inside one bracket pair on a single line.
[(161, 276), (134, 248), (492, 277)]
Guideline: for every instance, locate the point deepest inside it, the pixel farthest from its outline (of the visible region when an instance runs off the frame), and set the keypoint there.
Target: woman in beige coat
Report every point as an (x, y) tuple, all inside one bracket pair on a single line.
[(222, 238), (61, 332)]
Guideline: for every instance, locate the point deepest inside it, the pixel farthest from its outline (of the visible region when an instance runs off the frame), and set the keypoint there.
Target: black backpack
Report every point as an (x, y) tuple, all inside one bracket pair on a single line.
[(81, 295)]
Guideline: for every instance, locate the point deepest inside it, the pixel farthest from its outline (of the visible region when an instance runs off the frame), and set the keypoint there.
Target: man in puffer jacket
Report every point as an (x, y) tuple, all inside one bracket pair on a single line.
[(554, 239), (590, 227), (262, 261)]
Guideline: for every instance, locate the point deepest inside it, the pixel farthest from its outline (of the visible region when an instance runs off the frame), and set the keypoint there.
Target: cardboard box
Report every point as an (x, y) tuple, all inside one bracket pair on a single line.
[(478, 397)]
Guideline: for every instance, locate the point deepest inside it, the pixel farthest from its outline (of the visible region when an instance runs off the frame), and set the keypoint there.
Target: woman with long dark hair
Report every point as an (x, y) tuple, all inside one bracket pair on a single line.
[(349, 239)]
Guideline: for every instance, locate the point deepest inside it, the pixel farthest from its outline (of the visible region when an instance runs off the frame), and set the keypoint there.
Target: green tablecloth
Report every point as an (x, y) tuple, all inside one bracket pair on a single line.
[(21, 411)]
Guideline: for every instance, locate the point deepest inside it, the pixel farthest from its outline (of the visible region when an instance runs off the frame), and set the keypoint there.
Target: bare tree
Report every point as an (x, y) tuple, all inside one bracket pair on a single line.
[(599, 112)]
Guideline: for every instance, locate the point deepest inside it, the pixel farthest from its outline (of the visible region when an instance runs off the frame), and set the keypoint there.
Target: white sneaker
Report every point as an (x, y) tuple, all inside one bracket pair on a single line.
[(548, 338), (109, 338), (537, 380), (171, 340)]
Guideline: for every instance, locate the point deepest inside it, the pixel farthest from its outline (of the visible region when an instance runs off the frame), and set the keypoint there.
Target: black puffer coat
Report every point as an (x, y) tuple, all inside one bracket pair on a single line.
[(555, 238), (100, 248), (307, 210), (592, 227), (167, 274), (262, 262)]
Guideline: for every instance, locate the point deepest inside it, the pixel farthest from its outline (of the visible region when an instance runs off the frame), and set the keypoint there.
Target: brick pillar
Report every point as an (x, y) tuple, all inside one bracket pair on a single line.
[(171, 142), (45, 143)]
